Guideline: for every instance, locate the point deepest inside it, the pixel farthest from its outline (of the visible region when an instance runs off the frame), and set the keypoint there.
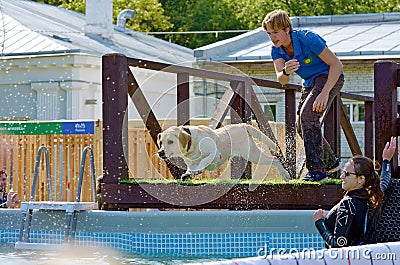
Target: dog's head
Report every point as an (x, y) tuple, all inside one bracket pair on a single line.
[(174, 142)]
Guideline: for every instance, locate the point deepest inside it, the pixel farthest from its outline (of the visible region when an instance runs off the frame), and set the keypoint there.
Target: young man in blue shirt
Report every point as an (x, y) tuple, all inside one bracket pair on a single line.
[(305, 53)]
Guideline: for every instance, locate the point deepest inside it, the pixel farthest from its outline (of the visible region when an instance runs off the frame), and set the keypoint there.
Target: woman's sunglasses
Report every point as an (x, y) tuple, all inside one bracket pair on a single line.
[(346, 173)]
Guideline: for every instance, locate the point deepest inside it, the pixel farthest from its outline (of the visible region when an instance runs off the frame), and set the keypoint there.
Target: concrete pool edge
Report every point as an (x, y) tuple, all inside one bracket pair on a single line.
[(155, 221)]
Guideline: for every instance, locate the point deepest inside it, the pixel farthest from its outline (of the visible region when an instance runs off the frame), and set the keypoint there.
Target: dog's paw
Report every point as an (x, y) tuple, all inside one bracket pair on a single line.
[(195, 172), (189, 174), (186, 176)]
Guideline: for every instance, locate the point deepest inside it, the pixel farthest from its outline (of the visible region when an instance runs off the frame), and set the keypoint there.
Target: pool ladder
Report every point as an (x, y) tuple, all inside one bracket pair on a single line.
[(71, 208)]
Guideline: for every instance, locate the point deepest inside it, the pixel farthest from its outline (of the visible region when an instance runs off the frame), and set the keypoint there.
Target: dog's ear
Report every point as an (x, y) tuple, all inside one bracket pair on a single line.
[(185, 138), (159, 140)]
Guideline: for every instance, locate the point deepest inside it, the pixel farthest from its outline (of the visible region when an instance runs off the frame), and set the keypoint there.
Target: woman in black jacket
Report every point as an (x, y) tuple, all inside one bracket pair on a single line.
[(345, 223)]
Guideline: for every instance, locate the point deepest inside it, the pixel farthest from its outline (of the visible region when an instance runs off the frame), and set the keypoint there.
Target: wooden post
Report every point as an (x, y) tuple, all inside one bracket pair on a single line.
[(115, 122), (369, 129), (290, 131), (332, 126), (240, 112), (385, 91), (177, 165), (182, 93)]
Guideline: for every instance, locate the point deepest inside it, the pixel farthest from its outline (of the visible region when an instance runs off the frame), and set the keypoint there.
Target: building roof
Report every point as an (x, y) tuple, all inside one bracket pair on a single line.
[(351, 37), (31, 28)]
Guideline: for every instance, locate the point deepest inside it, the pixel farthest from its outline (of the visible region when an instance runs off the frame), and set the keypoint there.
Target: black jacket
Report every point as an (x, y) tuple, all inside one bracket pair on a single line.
[(344, 224)]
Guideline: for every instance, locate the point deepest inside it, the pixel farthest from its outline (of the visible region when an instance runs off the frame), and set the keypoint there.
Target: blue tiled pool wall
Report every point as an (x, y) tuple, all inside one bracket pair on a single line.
[(229, 245)]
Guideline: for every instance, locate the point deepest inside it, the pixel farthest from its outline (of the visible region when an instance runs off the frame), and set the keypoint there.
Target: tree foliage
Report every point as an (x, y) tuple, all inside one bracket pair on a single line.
[(200, 15), (222, 15), (149, 13), (75, 5)]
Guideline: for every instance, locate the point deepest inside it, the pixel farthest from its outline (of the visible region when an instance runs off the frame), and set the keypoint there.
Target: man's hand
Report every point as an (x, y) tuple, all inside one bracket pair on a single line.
[(321, 101)]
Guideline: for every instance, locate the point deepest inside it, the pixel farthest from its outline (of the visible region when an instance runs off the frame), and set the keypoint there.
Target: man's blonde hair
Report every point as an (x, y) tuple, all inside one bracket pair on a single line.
[(277, 19)]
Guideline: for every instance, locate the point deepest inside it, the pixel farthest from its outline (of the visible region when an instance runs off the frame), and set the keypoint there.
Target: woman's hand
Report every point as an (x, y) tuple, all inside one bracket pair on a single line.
[(389, 149), (319, 214)]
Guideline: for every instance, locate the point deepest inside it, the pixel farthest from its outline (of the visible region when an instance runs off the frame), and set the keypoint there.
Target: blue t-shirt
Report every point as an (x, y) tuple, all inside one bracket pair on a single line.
[(307, 46)]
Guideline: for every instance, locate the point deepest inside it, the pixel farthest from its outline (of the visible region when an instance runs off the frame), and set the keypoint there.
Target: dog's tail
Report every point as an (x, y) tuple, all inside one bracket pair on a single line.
[(257, 134)]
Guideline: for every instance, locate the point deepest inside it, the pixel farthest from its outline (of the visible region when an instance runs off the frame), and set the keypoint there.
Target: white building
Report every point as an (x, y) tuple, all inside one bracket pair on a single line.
[(50, 64)]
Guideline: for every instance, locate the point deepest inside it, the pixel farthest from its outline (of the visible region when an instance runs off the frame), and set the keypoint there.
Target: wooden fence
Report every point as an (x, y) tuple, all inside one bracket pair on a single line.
[(18, 155)]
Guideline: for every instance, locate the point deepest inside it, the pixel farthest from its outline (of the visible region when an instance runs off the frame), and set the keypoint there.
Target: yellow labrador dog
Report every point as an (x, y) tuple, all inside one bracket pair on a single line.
[(203, 148)]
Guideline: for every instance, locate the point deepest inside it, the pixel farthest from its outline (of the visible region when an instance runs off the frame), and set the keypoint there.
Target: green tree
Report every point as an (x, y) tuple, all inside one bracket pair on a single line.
[(149, 13), (201, 15), (220, 15), (250, 13), (75, 5)]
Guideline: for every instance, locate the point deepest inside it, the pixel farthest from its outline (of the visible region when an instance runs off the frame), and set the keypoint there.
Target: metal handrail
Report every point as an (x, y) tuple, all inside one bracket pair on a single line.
[(92, 171), (36, 173), (82, 168)]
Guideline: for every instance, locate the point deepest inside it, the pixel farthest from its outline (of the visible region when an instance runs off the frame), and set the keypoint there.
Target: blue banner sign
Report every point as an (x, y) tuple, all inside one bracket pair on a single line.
[(79, 127)]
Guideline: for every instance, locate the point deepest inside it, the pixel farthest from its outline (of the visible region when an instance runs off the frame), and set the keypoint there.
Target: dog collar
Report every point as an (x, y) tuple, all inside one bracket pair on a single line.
[(190, 141)]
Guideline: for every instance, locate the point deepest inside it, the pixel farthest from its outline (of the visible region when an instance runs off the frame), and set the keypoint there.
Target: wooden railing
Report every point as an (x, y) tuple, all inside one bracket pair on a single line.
[(18, 152), (144, 163), (242, 102)]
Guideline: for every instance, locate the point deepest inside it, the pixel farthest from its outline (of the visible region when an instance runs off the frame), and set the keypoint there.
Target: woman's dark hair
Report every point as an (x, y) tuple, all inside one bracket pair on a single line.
[(365, 166)]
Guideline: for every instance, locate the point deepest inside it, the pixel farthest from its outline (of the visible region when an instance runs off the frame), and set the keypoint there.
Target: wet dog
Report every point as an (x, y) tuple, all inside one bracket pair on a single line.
[(203, 148)]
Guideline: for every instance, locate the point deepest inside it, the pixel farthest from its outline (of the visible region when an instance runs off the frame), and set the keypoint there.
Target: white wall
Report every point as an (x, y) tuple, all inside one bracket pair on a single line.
[(51, 87), (159, 89), (60, 87)]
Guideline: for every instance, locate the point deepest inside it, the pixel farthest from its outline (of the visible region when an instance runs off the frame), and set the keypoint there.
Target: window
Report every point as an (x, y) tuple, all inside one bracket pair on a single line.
[(355, 111), (269, 111)]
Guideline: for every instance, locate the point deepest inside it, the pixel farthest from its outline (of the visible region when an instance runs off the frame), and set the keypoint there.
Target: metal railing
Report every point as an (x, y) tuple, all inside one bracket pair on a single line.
[(35, 176), (92, 174), (81, 173)]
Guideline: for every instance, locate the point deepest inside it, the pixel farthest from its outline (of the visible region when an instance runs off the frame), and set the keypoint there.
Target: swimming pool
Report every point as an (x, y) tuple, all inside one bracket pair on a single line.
[(180, 235), (89, 256)]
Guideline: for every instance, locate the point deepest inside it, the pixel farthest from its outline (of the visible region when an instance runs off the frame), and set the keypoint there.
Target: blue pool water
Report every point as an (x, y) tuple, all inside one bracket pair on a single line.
[(87, 255)]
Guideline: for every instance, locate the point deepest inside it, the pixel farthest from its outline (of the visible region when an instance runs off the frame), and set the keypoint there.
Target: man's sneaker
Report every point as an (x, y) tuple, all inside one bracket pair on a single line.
[(333, 168), (316, 175)]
